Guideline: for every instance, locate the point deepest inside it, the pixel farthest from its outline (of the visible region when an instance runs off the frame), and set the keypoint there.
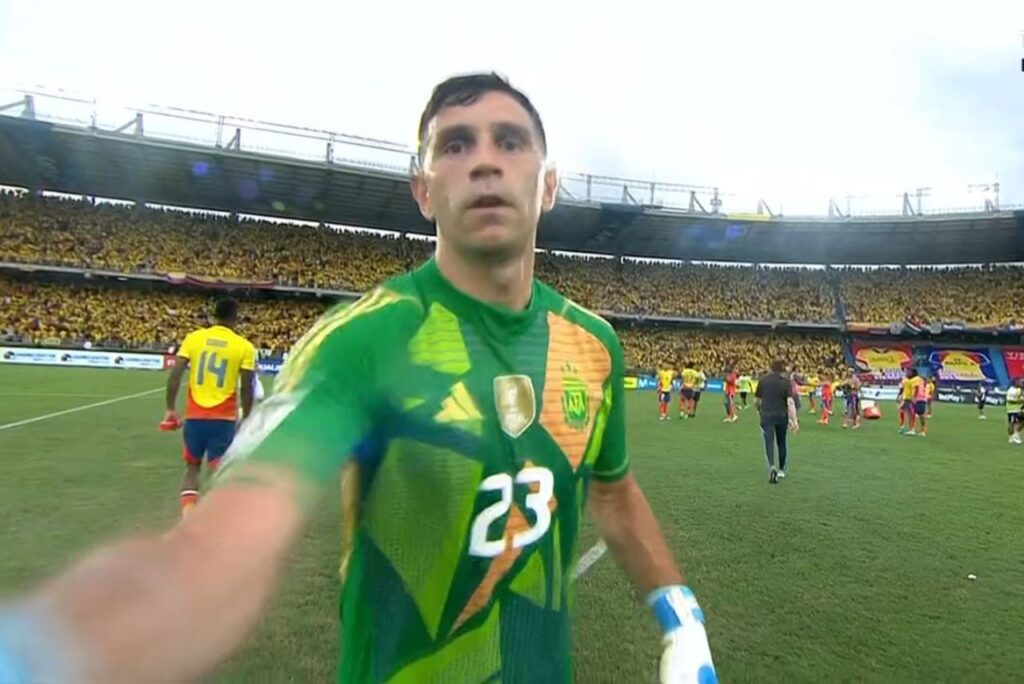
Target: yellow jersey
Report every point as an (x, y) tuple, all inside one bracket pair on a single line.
[(691, 378), (665, 378), (216, 355), (907, 389)]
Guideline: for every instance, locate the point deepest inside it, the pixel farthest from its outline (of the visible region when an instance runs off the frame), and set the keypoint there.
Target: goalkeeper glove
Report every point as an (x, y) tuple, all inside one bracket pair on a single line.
[(686, 656)]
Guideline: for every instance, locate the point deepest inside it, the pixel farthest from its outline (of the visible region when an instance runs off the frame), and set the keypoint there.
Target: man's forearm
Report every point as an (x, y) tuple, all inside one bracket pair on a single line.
[(121, 612), (627, 524), (247, 399), (791, 410), (173, 383)]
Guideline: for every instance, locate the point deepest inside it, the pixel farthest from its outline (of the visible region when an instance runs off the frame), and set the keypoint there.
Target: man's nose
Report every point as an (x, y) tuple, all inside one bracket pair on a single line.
[(486, 163)]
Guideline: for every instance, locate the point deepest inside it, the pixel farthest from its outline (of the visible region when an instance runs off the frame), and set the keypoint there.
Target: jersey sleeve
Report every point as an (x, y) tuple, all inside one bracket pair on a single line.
[(187, 347), (325, 401), (612, 461), (249, 357)]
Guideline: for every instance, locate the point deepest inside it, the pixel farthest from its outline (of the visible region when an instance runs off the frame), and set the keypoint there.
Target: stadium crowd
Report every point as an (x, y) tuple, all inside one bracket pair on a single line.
[(127, 239), (982, 296), (124, 239), (128, 318), (715, 352)]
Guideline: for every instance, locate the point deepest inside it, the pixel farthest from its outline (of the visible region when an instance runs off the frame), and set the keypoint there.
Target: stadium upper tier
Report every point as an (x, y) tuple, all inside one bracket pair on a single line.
[(50, 231), (643, 219)]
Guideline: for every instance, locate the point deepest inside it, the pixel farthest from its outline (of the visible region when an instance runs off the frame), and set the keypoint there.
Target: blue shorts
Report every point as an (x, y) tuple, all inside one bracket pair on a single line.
[(664, 397), (920, 407), (207, 438)]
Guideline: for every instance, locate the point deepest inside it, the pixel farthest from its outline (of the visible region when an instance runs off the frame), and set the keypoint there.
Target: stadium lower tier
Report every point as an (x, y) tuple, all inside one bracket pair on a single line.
[(50, 313)]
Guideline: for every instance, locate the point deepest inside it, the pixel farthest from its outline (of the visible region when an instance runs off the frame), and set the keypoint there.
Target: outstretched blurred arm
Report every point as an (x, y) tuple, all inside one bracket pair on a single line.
[(119, 615)]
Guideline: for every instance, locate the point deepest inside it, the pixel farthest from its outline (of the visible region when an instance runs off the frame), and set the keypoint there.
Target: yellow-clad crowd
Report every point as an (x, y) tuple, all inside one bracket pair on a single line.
[(132, 240), (746, 352), (129, 239), (128, 318), (981, 296)]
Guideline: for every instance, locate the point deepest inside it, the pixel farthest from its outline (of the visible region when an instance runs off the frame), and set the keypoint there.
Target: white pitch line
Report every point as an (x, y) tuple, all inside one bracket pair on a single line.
[(588, 559), (76, 409)]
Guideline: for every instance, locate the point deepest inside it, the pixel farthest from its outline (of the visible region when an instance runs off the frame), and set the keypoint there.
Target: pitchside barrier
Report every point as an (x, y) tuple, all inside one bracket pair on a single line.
[(78, 358)]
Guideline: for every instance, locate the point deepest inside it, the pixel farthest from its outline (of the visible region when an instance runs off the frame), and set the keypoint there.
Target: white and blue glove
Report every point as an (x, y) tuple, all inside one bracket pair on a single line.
[(686, 657)]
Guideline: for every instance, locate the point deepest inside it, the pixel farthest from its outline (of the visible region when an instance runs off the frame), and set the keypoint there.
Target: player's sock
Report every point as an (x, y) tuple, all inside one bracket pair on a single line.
[(189, 498), (903, 418)]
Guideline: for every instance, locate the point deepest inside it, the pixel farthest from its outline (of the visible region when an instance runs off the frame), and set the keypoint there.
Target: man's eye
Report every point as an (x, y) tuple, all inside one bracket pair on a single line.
[(454, 147), (510, 144)]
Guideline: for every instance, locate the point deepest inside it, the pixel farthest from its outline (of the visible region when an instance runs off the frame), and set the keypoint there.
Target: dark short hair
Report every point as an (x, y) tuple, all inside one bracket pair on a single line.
[(778, 365), (226, 309), (462, 91)]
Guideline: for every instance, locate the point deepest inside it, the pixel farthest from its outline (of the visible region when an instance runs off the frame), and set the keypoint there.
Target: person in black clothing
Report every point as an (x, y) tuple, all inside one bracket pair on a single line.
[(776, 404)]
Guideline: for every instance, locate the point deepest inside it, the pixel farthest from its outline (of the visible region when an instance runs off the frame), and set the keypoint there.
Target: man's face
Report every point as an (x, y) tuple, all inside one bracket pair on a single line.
[(484, 178)]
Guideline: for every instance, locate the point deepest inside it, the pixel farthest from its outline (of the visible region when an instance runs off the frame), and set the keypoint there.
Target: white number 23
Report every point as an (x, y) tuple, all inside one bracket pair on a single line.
[(479, 544)]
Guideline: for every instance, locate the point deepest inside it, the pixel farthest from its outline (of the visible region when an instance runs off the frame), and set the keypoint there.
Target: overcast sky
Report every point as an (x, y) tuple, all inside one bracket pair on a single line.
[(789, 101)]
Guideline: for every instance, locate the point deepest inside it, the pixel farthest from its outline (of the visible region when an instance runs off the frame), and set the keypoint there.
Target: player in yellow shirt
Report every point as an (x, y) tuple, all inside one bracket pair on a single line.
[(931, 388), (665, 378), (220, 365), (906, 398), (687, 392)]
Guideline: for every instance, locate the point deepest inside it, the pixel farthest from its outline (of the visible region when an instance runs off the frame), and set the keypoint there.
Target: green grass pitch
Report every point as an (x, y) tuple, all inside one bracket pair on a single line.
[(854, 568)]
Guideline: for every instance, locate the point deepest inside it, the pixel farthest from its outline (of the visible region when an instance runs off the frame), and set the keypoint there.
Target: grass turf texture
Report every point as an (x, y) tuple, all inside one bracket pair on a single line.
[(855, 567)]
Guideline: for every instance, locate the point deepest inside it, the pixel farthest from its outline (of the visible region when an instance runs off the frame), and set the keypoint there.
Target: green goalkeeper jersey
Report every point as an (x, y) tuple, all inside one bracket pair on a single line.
[(468, 434)]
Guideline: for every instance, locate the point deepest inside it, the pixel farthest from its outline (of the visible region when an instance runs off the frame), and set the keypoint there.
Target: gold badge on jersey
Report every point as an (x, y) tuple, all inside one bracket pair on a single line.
[(516, 403)]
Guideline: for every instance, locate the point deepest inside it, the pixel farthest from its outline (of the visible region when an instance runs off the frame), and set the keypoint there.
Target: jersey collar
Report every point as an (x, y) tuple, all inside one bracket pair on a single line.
[(496, 319)]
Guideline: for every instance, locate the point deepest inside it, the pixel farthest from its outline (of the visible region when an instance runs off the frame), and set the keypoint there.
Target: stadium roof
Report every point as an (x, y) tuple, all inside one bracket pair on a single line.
[(126, 164)]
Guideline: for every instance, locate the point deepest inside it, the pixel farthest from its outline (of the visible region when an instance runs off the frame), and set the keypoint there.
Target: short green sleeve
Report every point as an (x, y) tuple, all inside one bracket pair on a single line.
[(613, 460), (328, 396)]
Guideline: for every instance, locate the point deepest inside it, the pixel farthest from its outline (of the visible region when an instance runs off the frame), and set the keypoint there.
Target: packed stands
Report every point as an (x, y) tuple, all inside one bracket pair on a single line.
[(127, 318), (716, 351), (123, 318), (978, 296), (126, 239), (129, 240), (691, 290)]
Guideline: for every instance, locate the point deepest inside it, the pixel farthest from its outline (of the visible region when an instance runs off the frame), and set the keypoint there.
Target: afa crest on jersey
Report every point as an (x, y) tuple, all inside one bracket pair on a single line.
[(575, 399)]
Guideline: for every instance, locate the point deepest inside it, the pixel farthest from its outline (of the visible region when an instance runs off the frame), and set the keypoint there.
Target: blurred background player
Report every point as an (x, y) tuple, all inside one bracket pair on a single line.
[(906, 403), (1014, 411), (688, 391), (744, 382), (797, 380), (852, 390), (826, 400), (776, 404), (665, 378), (981, 398), (221, 366), (702, 383), (931, 387), (918, 403), (811, 387), (730, 396)]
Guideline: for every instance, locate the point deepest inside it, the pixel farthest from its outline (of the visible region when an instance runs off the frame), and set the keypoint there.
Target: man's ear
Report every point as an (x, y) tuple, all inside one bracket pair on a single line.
[(420, 192), (550, 189)]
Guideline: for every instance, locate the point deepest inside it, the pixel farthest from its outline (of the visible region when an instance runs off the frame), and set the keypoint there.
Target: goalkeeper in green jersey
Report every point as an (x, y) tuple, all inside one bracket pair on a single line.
[(472, 413)]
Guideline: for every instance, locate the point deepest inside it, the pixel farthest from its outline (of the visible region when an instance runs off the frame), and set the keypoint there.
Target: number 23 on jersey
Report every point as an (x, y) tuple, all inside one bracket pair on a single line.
[(540, 483)]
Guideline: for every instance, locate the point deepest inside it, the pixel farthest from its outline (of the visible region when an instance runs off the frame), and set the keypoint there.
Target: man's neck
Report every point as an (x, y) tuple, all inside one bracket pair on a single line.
[(508, 282)]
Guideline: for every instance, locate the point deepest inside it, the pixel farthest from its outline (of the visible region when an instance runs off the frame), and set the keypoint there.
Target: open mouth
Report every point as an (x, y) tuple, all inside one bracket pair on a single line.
[(488, 202)]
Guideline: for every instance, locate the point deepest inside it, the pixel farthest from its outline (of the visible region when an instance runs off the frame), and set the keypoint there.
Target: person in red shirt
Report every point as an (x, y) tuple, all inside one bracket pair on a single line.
[(826, 400), (730, 396)]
